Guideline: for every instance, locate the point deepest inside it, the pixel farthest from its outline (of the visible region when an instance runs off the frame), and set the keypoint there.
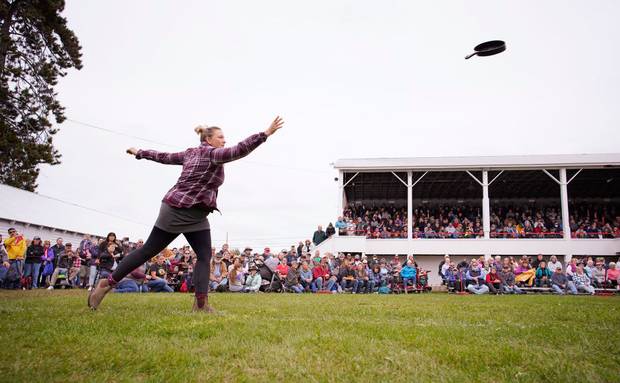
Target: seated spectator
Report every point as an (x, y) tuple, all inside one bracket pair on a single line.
[(291, 279), (524, 273), (553, 263), (305, 276), (571, 268), (543, 275), (157, 276), (237, 278), (598, 274), (347, 277), (282, 269), (493, 281), (613, 275), (364, 283), (218, 279), (451, 277), (133, 283), (408, 275), (64, 262), (374, 276), (253, 281), (320, 274), (508, 280), (589, 268), (476, 282), (582, 281), (561, 284)]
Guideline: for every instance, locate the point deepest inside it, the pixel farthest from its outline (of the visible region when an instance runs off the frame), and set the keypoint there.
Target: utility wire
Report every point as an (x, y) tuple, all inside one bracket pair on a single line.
[(89, 125)]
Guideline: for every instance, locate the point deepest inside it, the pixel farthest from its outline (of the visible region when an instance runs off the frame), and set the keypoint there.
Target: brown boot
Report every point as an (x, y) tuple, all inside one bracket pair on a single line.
[(98, 293), (201, 304)]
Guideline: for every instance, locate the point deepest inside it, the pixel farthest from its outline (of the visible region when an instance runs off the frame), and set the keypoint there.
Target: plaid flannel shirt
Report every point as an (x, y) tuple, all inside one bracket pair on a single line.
[(203, 171)]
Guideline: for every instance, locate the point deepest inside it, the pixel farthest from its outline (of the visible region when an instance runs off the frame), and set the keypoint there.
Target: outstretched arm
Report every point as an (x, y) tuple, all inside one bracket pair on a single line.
[(161, 157), (242, 149)]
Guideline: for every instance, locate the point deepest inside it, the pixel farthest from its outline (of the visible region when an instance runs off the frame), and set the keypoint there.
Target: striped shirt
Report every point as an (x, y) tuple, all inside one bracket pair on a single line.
[(203, 171)]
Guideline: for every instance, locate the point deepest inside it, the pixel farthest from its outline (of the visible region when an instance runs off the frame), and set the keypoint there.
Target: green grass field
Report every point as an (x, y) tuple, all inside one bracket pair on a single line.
[(53, 337)]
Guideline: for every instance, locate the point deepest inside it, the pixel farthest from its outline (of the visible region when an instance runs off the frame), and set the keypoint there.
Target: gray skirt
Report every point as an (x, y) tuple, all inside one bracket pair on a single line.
[(181, 220)]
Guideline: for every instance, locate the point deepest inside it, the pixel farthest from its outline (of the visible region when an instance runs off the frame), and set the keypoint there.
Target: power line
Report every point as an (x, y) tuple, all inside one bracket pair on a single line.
[(93, 126)]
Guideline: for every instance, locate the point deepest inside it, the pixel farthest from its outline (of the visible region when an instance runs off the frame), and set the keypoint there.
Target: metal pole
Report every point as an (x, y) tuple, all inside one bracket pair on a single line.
[(486, 208), (409, 205), (340, 199), (564, 201)]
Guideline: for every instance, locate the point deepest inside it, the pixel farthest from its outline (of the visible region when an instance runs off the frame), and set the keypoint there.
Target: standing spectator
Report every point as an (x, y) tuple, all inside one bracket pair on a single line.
[(253, 281), (85, 243), (319, 236), (560, 283), (33, 262), (58, 249), (341, 226), (92, 254), (330, 230), (76, 264), (84, 272), (582, 281), (111, 241), (105, 261), (4, 262), (48, 262), (157, 274), (218, 279), (16, 250)]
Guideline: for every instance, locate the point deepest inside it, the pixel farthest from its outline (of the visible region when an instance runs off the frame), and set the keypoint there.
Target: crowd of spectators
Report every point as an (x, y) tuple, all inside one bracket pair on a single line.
[(464, 221), (509, 275), (35, 263)]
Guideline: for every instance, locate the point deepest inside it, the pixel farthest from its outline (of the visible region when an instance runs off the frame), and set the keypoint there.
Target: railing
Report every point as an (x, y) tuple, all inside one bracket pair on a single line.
[(480, 234)]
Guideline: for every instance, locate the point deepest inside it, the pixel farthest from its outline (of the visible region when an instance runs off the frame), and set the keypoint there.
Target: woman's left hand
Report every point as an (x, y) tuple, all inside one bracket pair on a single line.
[(275, 125)]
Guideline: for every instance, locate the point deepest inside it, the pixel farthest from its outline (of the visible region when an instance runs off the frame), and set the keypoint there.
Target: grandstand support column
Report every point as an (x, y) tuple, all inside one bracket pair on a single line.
[(564, 202), (340, 200), (409, 206), (486, 206)]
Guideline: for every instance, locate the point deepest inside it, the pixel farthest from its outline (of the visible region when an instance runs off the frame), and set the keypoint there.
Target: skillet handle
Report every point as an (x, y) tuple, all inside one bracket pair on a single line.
[(471, 55)]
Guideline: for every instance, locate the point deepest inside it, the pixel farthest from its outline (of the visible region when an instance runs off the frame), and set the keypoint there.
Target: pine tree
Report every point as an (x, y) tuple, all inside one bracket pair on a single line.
[(36, 47)]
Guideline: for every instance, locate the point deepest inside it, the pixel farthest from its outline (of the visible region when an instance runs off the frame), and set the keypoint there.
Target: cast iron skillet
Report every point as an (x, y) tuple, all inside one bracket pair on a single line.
[(488, 48)]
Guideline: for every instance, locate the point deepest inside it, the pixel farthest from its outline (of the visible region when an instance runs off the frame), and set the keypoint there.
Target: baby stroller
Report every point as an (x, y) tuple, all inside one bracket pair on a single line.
[(271, 280)]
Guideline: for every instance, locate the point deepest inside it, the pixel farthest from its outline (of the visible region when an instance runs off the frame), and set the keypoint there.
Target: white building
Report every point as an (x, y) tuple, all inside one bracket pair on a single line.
[(33, 214), (544, 180)]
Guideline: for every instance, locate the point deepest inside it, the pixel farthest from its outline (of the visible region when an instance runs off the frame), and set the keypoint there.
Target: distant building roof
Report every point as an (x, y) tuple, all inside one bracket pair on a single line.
[(483, 162), (24, 206)]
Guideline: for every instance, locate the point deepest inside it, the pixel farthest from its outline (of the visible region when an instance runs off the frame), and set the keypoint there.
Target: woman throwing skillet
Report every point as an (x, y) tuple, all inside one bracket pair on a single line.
[(185, 207)]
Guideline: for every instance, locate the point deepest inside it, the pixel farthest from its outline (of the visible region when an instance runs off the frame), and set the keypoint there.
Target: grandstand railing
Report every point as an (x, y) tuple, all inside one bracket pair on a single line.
[(474, 235)]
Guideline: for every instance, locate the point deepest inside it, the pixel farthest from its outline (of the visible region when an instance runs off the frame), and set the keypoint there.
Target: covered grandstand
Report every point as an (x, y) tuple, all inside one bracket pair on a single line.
[(563, 192)]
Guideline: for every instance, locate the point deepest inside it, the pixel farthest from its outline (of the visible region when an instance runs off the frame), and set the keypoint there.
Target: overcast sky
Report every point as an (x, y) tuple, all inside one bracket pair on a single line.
[(351, 79)]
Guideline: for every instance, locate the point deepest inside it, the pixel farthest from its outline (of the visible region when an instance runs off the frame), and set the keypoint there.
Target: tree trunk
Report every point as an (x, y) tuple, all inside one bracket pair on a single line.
[(5, 37)]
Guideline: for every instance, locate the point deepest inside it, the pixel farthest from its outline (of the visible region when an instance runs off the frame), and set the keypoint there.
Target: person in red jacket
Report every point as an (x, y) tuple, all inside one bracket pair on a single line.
[(493, 281), (320, 273)]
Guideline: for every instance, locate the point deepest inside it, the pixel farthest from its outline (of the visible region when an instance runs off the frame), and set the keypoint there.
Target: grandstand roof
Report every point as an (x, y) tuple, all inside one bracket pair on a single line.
[(483, 162), (24, 206)]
